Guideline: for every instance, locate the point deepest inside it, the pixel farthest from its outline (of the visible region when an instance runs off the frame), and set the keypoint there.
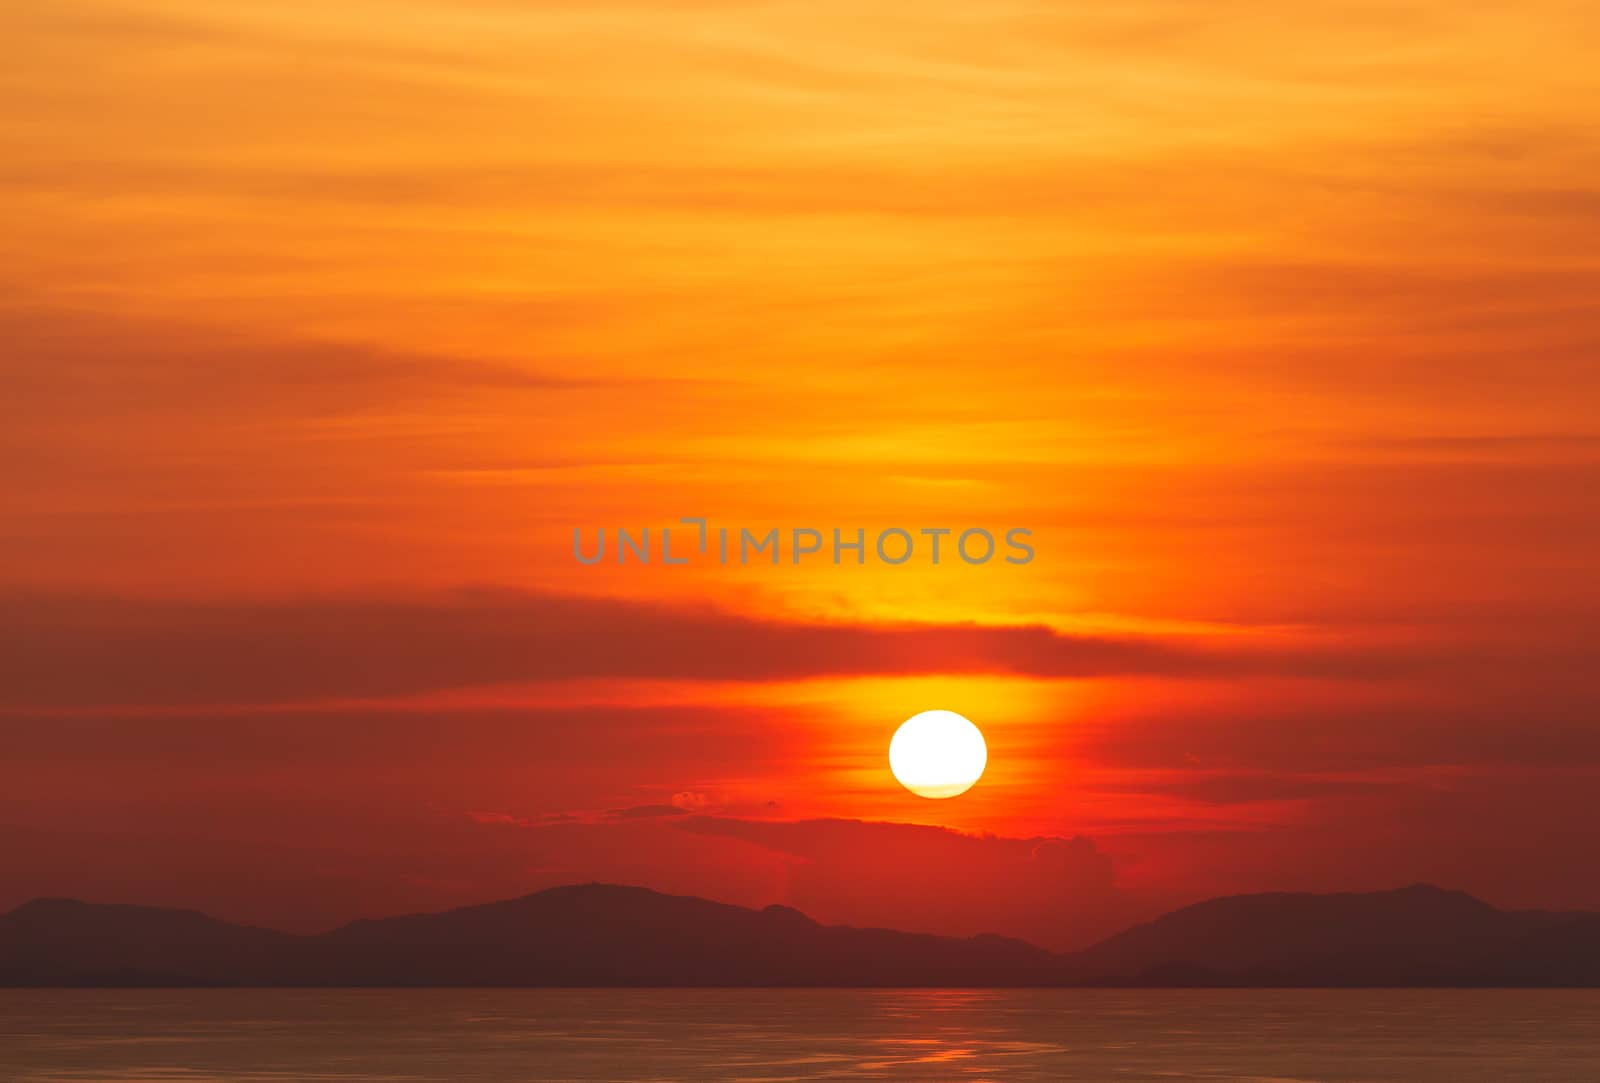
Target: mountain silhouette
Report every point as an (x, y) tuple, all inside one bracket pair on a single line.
[(1419, 935), (596, 934), (66, 942), (606, 935)]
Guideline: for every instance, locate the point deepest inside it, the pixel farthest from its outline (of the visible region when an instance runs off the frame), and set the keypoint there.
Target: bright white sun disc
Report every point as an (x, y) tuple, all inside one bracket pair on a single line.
[(937, 754)]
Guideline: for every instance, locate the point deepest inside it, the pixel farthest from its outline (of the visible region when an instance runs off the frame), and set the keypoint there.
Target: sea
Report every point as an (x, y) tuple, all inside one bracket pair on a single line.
[(773, 1035)]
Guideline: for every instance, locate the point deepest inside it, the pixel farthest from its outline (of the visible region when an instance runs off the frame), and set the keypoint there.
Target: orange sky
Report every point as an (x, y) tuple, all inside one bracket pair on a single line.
[(325, 324)]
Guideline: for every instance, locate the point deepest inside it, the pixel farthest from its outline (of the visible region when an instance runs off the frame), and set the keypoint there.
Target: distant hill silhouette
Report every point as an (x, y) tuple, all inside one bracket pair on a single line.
[(595, 934), (604, 935), (65, 942), (1420, 935)]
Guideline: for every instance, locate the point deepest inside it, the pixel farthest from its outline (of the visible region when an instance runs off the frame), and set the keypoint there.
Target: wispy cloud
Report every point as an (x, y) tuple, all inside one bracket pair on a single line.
[(63, 651)]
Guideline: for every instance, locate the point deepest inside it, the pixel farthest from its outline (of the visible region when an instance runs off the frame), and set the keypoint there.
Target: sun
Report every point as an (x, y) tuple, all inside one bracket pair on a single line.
[(937, 754)]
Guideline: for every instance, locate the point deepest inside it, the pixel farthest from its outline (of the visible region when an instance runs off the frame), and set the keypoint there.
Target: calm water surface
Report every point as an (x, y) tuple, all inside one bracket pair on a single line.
[(774, 1035)]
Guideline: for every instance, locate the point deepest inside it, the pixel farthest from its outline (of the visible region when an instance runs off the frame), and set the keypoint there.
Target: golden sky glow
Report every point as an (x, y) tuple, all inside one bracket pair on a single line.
[(1275, 323)]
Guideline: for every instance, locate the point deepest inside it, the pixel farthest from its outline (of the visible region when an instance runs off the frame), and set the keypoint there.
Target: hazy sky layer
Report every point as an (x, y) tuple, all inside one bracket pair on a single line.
[(324, 325)]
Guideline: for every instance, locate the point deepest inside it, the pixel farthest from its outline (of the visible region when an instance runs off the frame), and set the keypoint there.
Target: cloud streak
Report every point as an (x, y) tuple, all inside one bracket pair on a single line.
[(1056, 891), (79, 651)]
